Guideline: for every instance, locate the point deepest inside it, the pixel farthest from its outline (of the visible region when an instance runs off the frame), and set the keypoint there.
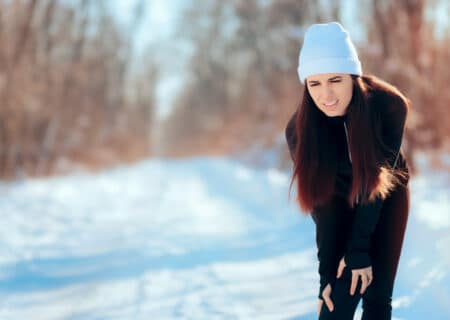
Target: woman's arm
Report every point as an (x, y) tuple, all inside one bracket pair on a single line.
[(325, 219), (366, 218), (393, 113)]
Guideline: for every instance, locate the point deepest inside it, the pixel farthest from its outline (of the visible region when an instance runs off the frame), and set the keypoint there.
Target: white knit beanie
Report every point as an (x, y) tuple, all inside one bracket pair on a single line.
[(327, 48)]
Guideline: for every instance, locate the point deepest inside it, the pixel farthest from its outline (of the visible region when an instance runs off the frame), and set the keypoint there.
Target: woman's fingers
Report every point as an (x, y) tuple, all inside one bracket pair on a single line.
[(340, 268), (326, 297), (369, 278), (355, 277), (366, 279), (319, 306), (365, 282), (328, 302)]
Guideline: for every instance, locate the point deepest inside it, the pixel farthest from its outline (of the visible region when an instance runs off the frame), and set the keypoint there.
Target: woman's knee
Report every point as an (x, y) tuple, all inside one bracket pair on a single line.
[(377, 303)]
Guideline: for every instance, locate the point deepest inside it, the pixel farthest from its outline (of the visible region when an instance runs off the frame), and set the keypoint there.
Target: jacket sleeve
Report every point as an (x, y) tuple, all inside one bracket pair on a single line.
[(291, 136), (325, 222), (325, 219), (393, 118)]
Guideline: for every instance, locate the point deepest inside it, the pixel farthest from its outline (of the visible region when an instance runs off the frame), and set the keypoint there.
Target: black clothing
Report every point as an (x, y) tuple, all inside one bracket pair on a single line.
[(385, 251), (341, 231)]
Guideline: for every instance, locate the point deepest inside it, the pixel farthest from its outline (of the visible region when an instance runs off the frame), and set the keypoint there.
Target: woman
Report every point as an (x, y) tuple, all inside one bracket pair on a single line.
[(344, 140)]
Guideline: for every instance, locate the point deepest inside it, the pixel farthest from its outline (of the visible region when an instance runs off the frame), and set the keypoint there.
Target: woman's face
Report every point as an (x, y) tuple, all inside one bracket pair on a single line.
[(331, 92)]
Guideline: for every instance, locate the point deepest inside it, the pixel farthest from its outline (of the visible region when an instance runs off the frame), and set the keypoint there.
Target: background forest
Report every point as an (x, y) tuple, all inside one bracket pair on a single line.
[(83, 87)]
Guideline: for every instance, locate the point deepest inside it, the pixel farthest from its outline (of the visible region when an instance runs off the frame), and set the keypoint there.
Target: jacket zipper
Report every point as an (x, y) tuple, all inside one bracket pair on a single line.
[(396, 158), (346, 138)]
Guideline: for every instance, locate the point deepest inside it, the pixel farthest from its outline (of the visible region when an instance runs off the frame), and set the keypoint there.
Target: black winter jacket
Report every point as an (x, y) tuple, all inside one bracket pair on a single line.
[(393, 117)]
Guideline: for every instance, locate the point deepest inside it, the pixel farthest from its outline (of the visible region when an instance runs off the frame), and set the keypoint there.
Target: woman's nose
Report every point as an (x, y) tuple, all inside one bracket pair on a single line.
[(327, 93)]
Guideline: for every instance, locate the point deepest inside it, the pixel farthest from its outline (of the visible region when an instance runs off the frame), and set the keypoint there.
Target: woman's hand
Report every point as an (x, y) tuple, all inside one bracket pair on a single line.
[(365, 274), (319, 306), (326, 293)]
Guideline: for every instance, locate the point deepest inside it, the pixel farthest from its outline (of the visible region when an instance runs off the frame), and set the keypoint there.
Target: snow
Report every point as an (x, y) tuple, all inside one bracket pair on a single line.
[(205, 238)]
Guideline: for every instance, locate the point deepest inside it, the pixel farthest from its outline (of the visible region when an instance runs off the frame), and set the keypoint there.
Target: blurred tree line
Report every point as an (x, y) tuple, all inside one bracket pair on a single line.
[(68, 93), (242, 84)]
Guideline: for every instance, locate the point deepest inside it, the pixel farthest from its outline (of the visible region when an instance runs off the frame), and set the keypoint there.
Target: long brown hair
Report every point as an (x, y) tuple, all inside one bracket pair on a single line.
[(316, 154)]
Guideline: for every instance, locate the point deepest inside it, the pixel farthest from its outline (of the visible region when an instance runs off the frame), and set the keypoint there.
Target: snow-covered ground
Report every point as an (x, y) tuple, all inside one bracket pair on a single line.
[(206, 238)]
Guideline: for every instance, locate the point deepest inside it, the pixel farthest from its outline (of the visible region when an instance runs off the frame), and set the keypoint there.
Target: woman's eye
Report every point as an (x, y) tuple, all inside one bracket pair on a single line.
[(317, 84)]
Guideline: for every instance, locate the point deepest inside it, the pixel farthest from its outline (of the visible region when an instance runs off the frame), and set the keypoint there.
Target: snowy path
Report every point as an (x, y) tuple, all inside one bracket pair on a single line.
[(201, 239)]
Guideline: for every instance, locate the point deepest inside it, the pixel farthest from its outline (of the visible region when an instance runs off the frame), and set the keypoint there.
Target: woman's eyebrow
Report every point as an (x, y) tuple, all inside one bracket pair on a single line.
[(335, 78)]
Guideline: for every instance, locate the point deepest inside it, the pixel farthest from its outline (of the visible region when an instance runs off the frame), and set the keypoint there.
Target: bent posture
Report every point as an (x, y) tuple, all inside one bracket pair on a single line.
[(344, 140)]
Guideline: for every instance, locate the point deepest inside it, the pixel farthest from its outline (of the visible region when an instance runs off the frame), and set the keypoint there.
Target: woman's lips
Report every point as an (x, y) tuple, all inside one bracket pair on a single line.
[(332, 104)]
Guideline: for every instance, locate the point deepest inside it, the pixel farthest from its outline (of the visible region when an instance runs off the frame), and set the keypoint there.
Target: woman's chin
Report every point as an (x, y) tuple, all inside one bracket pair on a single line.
[(334, 113)]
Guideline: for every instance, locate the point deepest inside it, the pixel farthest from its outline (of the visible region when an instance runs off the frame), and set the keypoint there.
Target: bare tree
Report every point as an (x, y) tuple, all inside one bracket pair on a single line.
[(63, 84)]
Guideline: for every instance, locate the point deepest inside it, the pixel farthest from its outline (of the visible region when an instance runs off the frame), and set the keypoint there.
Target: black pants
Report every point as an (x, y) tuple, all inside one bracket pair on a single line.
[(385, 252)]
